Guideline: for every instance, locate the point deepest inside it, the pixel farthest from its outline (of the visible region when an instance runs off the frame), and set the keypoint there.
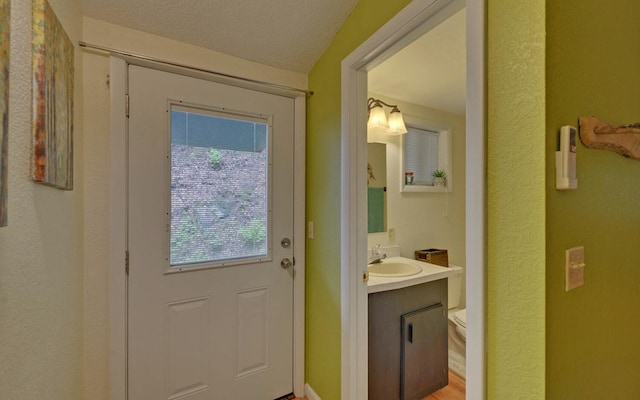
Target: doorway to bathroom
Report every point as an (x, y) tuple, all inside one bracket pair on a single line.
[(418, 18), (426, 82)]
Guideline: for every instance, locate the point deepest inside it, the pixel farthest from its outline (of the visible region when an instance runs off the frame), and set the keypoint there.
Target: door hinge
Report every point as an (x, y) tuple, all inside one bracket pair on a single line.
[(126, 262), (126, 104), (365, 276)]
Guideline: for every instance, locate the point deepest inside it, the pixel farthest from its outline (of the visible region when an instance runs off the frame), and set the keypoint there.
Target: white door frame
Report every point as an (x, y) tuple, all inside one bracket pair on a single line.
[(415, 19), (118, 221)]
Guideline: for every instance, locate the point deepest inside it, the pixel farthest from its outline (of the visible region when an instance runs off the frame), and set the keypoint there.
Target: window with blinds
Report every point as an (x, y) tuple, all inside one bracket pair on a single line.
[(421, 154)]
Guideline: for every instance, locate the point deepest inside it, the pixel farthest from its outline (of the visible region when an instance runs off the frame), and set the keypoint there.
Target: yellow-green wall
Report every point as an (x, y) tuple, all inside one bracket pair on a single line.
[(516, 199), (593, 56), (323, 196)]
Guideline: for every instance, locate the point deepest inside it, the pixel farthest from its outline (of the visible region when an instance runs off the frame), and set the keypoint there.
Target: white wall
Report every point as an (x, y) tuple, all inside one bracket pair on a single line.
[(426, 220), (41, 250), (96, 145)]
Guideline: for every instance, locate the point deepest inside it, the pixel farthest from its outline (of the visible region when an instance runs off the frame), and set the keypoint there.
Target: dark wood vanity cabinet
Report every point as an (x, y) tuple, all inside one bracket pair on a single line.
[(408, 352)]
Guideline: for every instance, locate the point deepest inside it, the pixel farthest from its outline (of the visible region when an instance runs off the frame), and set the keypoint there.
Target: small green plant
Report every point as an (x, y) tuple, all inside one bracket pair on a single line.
[(439, 178), (255, 232), (215, 157)]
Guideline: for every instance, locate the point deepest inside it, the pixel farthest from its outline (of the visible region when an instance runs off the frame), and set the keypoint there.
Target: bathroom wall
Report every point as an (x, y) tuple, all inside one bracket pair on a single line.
[(41, 299), (426, 220), (592, 331), (96, 170)]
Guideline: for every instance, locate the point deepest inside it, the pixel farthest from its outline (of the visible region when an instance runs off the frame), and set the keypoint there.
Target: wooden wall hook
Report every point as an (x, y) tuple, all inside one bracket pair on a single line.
[(622, 139)]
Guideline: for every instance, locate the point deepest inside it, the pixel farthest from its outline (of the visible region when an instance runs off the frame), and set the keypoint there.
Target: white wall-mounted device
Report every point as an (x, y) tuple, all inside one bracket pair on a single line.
[(566, 159)]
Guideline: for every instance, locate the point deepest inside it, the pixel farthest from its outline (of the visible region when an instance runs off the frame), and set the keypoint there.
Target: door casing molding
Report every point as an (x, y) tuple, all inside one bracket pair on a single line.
[(412, 22), (117, 301)]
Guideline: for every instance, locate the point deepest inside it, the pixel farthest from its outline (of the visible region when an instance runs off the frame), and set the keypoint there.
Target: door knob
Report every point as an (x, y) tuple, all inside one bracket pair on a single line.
[(286, 263)]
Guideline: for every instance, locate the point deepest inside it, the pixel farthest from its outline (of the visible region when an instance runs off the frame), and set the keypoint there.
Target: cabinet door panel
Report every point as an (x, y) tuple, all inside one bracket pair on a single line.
[(385, 337), (424, 352)]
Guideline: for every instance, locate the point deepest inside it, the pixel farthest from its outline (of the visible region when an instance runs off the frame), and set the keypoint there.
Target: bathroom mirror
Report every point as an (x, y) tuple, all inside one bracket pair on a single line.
[(377, 187)]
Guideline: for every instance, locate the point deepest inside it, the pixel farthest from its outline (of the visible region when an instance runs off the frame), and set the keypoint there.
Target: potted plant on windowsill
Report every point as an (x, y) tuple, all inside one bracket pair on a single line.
[(439, 178)]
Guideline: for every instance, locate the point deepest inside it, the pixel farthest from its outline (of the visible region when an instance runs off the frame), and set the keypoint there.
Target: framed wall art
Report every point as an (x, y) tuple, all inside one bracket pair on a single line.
[(4, 107), (53, 71)]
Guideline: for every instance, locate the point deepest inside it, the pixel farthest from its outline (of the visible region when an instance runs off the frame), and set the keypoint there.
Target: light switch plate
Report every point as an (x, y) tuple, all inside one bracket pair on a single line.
[(574, 268), (310, 230)]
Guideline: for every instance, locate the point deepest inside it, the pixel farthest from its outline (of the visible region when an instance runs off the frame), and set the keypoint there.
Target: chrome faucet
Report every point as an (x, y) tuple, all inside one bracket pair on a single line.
[(376, 256)]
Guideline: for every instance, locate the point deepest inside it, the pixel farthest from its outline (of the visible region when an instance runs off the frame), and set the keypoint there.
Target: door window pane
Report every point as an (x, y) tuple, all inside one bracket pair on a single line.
[(219, 187)]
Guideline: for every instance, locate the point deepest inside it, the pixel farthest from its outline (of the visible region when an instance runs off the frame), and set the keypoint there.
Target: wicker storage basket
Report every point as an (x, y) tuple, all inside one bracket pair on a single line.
[(433, 256)]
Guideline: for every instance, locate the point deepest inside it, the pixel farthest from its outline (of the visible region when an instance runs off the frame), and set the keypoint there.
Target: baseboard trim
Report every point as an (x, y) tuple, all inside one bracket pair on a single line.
[(311, 395)]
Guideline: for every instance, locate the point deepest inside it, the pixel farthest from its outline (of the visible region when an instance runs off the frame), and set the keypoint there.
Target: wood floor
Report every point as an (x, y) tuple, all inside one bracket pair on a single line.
[(455, 390)]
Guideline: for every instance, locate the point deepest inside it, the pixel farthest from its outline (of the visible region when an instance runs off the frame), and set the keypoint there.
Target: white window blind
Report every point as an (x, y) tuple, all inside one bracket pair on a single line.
[(421, 154)]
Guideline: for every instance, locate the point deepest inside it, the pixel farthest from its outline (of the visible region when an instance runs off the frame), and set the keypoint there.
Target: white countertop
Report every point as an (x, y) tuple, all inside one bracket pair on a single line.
[(429, 273)]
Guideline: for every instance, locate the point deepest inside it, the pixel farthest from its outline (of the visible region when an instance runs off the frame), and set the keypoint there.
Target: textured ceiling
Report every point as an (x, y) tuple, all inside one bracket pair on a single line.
[(287, 34), (293, 34), (431, 71)]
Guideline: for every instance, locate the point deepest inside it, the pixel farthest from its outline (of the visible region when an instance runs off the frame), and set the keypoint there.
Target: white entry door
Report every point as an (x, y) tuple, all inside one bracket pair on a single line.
[(210, 230)]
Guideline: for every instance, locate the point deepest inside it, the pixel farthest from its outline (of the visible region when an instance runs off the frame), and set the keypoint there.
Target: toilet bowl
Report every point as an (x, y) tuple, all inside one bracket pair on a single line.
[(457, 323), (459, 319)]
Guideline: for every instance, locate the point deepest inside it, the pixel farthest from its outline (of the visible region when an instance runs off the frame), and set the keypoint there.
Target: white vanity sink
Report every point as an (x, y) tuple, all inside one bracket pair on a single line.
[(393, 269), (399, 272)]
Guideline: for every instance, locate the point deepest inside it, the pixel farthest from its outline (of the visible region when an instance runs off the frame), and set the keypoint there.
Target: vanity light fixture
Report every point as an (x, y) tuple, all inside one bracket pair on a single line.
[(378, 119)]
